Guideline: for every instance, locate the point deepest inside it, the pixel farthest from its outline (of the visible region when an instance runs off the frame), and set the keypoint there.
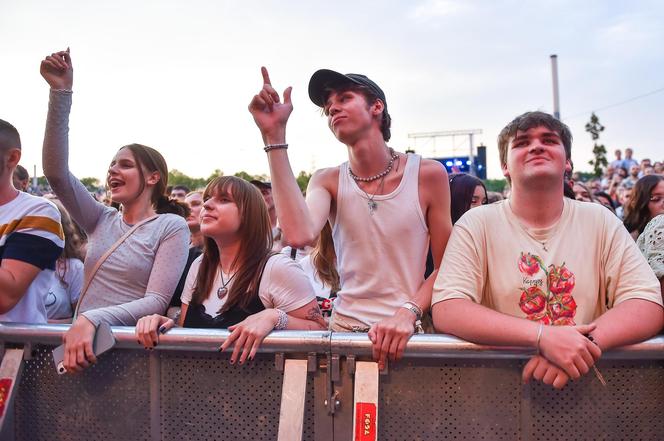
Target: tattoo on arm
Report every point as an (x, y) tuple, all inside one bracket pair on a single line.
[(315, 315)]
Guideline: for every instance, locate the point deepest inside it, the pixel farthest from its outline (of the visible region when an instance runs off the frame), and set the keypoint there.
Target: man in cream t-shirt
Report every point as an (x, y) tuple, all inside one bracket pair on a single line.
[(542, 270)]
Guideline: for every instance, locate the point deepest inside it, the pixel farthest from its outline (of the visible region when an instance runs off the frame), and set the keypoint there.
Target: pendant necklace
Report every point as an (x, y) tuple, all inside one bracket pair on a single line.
[(541, 242), (371, 204), (223, 289)]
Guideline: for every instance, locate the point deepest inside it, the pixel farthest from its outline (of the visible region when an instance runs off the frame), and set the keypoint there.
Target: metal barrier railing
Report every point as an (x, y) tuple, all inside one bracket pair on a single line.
[(445, 388), (358, 344)]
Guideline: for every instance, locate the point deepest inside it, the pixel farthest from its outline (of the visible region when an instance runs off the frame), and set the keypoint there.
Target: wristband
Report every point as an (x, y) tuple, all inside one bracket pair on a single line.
[(414, 308), (269, 147), (282, 321)]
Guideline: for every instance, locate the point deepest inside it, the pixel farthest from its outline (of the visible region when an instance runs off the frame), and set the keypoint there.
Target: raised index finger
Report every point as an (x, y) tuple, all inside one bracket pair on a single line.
[(266, 76)]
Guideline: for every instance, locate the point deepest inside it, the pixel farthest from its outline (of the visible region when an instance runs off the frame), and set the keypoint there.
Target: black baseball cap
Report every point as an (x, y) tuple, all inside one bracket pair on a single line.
[(261, 184), (328, 79)]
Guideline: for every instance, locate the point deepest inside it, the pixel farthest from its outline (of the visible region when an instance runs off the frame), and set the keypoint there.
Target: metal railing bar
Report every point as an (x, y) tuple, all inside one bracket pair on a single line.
[(358, 344)]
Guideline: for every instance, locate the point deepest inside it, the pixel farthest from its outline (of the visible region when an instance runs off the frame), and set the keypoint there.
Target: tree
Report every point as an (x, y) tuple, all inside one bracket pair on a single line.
[(215, 174), (244, 175), (303, 181), (599, 151), (495, 184), (176, 177), (91, 184)]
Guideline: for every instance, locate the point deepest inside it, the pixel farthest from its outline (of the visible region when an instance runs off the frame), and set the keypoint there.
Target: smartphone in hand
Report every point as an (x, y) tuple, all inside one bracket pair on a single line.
[(102, 342)]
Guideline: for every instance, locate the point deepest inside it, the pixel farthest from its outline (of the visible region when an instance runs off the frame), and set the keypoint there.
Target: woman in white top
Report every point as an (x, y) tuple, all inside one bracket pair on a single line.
[(68, 282), (238, 283), (138, 278)]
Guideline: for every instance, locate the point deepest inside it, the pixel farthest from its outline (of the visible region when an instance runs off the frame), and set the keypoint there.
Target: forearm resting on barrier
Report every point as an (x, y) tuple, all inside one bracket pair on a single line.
[(631, 321), (565, 346)]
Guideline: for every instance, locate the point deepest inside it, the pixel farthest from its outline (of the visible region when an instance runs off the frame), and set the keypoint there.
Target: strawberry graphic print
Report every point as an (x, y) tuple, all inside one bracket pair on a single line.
[(546, 293)]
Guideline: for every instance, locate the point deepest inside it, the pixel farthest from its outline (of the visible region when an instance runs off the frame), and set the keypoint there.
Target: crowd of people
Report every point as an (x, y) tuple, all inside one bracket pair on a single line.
[(386, 243)]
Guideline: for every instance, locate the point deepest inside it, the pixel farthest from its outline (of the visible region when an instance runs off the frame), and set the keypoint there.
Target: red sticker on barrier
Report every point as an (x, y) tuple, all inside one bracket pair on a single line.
[(5, 387), (365, 422)]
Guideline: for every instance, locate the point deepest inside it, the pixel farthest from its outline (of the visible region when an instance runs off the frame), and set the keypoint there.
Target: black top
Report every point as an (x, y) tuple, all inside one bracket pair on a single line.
[(198, 318)]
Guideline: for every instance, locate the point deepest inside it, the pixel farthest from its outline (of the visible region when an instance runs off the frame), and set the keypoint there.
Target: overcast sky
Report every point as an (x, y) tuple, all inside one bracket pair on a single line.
[(178, 75)]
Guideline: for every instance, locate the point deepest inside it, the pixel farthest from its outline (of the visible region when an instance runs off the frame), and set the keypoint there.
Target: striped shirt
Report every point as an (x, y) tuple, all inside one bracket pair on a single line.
[(30, 231)]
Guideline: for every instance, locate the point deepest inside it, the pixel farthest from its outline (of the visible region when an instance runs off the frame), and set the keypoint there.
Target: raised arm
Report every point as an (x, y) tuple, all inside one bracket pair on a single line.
[(58, 72), (300, 222)]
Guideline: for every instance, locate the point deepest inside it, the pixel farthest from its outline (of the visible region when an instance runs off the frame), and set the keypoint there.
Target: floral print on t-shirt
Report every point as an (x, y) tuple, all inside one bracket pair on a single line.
[(546, 293)]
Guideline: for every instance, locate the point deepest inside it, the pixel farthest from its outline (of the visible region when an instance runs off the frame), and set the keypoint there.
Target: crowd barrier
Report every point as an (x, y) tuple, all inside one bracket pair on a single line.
[(319, 386)]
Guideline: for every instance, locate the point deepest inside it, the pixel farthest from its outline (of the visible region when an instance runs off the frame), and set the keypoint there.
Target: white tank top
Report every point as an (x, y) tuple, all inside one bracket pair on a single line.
[(381, 256)]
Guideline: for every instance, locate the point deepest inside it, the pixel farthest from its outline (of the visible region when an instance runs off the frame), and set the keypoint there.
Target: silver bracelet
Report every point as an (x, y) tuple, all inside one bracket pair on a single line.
[(269, 147), (539, 337), (282, 321)]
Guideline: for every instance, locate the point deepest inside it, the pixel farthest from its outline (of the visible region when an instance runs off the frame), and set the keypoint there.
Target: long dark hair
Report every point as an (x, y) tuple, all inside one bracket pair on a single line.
[(324, 259), (462, 187), (637, 213), (256, 237)]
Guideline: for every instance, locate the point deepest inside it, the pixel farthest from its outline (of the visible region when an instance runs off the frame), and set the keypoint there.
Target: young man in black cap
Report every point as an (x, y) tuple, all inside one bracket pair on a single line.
[(384, 207)]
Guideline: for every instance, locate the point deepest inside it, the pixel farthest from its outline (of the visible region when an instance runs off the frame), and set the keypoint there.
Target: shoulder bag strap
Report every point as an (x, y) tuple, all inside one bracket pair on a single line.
[(103, 258)]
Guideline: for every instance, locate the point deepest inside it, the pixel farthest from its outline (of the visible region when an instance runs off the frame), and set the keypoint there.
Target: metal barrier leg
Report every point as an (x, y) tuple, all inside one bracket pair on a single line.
[(155, 396), (365, 418), (291, 414), (10, 375)]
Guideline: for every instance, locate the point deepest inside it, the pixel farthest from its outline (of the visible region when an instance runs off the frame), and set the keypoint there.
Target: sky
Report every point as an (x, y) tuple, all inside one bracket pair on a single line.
[(178, 76)]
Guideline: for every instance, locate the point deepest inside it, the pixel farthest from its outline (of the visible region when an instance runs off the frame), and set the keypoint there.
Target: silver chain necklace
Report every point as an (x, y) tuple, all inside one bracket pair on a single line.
[(223, 289), (393, 157)]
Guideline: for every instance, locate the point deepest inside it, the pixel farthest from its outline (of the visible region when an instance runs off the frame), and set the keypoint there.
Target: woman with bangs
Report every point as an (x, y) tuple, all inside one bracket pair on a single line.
[(135, 255), (239, 283)]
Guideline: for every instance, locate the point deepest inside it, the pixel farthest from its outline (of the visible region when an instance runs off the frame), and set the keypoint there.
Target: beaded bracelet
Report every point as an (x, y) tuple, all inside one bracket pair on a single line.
[(269, 147)]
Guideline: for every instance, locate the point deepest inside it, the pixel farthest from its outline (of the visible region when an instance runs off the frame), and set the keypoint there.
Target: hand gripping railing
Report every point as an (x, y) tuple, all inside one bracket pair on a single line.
[(346, 382), (321, 342)]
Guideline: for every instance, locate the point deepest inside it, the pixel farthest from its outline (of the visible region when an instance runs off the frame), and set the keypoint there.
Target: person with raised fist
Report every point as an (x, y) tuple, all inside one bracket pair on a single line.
[(135, 256)]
